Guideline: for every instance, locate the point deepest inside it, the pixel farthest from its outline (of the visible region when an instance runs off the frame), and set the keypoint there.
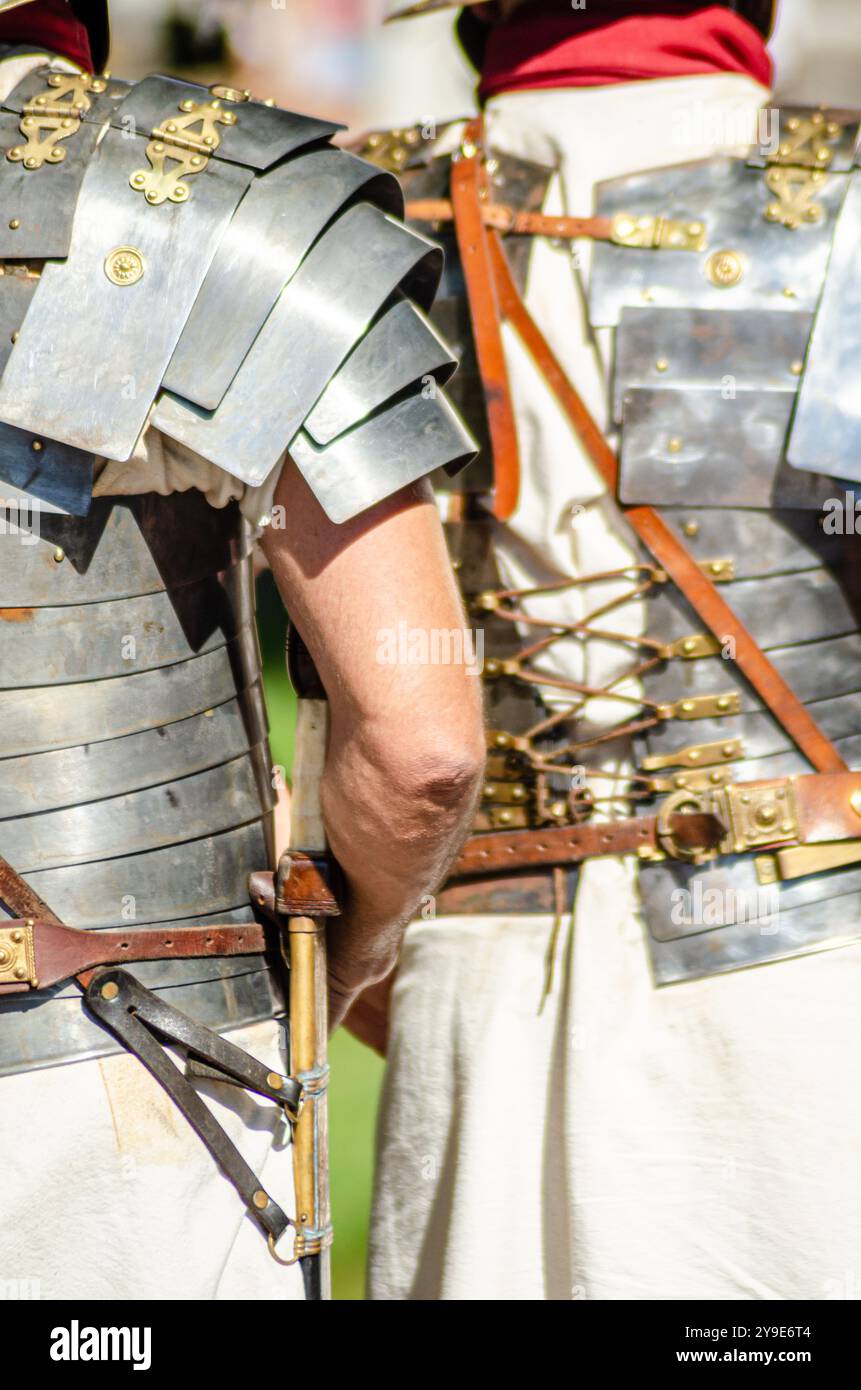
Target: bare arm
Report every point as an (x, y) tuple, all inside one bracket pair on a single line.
[(406, 751)]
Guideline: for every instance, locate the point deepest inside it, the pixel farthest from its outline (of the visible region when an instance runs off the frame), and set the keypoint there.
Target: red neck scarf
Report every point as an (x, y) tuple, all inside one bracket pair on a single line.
[(551, 45), (48, 24)]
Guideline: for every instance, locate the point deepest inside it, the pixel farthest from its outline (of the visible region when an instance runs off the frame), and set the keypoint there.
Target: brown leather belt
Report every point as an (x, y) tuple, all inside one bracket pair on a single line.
[(504, 218), (743, 817)]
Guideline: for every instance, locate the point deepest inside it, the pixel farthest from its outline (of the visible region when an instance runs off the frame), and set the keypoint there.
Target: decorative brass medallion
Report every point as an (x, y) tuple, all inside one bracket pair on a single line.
[(725, 269), (124, 266)]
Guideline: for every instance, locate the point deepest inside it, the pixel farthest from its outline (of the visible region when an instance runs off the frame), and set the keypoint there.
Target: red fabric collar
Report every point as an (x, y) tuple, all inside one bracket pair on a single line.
[(549, 45), (49, 24)]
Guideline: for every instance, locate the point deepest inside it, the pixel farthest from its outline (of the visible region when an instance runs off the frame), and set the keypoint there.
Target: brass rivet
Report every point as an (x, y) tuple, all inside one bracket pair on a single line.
[(15, 336), (691, 528), (17, 937), (59, 555), (110, 990), (37, 446), (20, 973), (855, 802), (662, 364), (275, 1081), (724, 702), (674, 445), (260, 1199), (15, 223), (797, 368)]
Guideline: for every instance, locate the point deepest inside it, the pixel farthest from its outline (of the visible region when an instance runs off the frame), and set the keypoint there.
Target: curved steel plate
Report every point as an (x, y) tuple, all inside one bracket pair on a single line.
[(123, 549), (782, 269), (35, 720), (206, 803), (277, 222), (91, 354), (321, 314), (261, 136), (163, 885), (40, 646), (38, 205), (401, 350), (75, 776), (757, 542), (384, 454)]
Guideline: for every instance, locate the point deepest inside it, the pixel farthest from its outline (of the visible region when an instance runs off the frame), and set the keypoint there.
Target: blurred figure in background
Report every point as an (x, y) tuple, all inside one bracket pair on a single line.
[(587, 1096)]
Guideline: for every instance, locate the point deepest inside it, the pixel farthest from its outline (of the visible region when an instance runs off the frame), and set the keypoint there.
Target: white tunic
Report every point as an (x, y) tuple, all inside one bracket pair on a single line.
[(698, 1141), (107, 1191)]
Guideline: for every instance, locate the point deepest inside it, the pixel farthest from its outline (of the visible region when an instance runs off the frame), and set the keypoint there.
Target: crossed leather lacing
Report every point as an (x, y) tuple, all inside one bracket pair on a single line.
[(504, 603)]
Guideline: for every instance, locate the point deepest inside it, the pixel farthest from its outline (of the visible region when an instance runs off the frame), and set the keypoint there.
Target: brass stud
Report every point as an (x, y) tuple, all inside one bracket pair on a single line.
[(260, 1199), (797, 367), (15, 336), (724, 702), (275, 1081), (14, 224), (674, 445), (124, 265), (725, 269), (662, 364), (691, 528), (59, 555), (17, 936), (110, 990), (37, 446), (855, 802)]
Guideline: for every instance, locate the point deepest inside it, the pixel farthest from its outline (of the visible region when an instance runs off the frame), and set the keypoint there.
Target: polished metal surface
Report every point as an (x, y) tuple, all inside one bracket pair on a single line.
[(757, 542), (36, 719), (405, 442), (260, 137), (699, 447), (826, 432), (93, 642), (326, 307), (91, 354), (52, 477), (782, 269), (38, 206), (274, 227), (402, 350), (683, 349)]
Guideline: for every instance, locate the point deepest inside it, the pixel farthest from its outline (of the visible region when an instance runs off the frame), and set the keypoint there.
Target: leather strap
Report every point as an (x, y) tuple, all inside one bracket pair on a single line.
[(824, 809), (466, 188), (60, 952), (504, 218)]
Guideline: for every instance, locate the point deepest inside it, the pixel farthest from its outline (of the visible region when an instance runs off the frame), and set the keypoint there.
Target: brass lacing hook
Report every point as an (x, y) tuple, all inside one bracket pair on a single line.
[(298, 1246)]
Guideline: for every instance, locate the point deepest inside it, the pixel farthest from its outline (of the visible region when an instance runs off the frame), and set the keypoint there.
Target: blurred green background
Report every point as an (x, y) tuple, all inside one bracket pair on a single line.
[(356, 1071)]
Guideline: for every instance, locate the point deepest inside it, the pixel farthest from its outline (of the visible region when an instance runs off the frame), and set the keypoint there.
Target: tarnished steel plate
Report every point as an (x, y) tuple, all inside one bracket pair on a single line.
[(261, 136), (34, 1035), (275, 225), (778, 610), (756, 542), (841, 149), (817, 926), (123, 549), (35, 720), (826, 432), (384, 454), (814, 671), (74, 776), (683, 348), (55, 477), (16, 291), (791, 764), (780, 269), (696, 447), (42, 646), (182, 880), (91, 354), (762, 735), (401, 350), (221, 798), (321, 314), (40, 202)]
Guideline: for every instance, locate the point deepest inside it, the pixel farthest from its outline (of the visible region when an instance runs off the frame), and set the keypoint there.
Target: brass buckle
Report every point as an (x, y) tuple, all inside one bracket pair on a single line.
[(17, 955), (695, 854)]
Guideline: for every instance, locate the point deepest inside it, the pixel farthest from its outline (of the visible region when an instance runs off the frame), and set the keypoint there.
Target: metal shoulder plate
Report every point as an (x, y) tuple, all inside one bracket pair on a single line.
[(735, 307), (217, 268)]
